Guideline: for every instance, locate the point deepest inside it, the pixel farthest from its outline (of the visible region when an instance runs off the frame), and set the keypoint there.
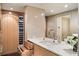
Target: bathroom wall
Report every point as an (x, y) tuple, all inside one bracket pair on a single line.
[(34, 23), (52, 21)]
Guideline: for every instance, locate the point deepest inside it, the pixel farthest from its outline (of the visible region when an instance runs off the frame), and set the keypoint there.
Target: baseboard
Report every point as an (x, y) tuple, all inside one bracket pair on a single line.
[(12, 54)]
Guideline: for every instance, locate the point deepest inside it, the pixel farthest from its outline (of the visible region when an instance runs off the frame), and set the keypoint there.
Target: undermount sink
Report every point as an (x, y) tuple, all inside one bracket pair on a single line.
[(48, 43)]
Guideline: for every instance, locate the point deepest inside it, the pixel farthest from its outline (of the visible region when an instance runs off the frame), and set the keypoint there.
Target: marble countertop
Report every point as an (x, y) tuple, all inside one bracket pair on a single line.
[(62, 49)]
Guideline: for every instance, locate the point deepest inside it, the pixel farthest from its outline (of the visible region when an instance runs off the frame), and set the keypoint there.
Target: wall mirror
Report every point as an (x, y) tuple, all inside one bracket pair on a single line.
[(63, 26)]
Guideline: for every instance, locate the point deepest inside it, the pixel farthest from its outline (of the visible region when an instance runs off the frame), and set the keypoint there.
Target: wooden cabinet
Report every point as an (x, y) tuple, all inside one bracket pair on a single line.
[(40, 51), (9, 33), (0, 17)]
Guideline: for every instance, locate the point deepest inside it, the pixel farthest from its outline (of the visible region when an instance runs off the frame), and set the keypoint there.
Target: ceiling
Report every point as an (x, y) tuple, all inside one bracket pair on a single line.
[(56, 7)]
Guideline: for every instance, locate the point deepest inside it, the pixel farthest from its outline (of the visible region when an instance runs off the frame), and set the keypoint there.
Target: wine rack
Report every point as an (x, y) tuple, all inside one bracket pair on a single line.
[(21, 30)]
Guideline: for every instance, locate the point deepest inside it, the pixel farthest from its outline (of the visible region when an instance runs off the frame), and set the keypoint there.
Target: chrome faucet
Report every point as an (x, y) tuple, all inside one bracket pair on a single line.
[(43, 38)]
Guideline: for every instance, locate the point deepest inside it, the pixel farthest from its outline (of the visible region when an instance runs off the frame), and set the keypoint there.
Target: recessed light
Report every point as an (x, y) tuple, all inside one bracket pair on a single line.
[(11, 8), (51, 10), (36, 16), (65, 6), (10, 12), (42, 14)]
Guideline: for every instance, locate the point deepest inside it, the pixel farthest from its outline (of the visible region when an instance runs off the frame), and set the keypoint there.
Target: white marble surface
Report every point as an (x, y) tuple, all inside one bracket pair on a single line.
[(62, 49)]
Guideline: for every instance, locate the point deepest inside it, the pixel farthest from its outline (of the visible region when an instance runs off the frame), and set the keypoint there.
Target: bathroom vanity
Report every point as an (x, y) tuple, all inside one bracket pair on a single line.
[(40, 51), (48, 48)]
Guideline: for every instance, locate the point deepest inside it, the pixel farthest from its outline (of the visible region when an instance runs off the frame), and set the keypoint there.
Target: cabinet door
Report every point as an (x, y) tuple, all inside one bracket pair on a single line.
[(10, 33), (39, 51), (0, 17)]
